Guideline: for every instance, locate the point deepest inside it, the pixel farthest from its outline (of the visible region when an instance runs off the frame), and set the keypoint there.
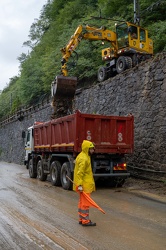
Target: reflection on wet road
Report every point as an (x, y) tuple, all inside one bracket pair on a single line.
[(35, 215)]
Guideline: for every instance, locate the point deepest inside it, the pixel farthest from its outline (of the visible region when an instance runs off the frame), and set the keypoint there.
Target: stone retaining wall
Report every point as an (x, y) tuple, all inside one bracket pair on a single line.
[(140, 91)]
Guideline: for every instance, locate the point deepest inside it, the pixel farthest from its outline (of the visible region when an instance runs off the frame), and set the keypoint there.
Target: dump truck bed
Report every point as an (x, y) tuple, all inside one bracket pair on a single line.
[(110, 134)]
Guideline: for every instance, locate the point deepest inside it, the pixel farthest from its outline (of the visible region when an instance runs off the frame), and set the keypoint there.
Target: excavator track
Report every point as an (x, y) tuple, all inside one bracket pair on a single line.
[(63, 91)]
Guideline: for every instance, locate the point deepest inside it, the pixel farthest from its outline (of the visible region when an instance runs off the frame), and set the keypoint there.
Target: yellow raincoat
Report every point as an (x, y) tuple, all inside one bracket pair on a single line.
[(83, 171)]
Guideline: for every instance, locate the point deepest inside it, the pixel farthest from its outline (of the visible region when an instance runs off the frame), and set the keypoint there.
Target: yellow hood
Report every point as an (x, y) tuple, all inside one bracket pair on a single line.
[(86, 145)]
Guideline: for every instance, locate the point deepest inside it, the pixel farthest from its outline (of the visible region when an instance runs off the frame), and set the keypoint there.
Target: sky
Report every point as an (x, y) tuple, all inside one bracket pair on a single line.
[(16, 18)]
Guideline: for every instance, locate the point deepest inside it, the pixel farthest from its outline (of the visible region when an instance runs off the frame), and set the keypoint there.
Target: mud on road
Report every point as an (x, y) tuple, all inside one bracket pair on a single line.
[(35, 215), (157, 188)]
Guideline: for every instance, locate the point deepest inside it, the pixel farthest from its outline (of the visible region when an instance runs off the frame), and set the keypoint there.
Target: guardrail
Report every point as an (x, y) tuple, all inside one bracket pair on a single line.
[(22, 113)]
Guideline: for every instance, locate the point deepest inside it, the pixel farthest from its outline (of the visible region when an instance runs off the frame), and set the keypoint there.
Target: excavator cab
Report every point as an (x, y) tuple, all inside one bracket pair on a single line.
[(133, 38)]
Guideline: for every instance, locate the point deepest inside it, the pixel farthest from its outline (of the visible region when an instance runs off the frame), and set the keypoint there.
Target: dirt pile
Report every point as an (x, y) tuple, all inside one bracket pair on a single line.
[(150, 186)]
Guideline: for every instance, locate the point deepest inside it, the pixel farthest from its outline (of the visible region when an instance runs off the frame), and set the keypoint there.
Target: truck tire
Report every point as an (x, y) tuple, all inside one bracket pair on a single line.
[(32, 172), (55, 173), (65, 170), (102, 74), (40, 172)]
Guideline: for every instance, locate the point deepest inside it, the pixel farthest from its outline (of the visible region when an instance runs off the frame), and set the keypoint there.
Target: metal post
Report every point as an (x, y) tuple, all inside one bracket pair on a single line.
[(136, 12)]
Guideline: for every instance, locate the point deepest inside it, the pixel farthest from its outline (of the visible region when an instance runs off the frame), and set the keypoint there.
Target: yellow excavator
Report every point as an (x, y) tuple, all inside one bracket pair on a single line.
[(129, 45)]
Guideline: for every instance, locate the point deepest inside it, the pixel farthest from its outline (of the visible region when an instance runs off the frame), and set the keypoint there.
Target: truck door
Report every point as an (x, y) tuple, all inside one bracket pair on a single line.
[(28, 144)]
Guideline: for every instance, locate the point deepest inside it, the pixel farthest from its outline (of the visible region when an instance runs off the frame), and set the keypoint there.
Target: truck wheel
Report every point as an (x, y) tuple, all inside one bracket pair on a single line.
[(55, 173), (40, 172), (102, 74), (65, 170), (121, 64), (32, 173)]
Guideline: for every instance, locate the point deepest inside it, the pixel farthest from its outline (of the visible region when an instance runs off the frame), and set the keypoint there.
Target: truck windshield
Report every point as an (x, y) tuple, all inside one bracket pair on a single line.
[(122, 35)]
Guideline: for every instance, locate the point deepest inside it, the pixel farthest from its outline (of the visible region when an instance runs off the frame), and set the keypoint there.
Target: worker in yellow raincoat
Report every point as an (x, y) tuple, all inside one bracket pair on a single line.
[(84, 181)]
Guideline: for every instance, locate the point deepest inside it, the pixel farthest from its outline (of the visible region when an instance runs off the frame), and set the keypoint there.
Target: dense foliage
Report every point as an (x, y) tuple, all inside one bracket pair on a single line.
[(58, 21)]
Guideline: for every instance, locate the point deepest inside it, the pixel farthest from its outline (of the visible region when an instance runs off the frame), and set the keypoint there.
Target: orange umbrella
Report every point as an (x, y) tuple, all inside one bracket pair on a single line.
[(87, 199)]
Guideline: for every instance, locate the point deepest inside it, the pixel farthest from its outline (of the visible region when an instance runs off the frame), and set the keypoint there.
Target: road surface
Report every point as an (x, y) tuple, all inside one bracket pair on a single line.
[(35, 215)]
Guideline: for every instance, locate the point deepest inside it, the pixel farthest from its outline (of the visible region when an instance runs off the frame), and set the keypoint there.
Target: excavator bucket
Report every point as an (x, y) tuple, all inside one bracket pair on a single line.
[(64, 86), (63, 91)]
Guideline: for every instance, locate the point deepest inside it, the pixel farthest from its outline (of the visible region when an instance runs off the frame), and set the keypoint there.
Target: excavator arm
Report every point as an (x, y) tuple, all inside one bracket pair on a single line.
[(89, 33), (63, 87)]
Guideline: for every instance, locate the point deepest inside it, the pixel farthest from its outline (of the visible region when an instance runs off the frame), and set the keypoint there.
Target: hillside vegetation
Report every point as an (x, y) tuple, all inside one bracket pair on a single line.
[(48, 34)]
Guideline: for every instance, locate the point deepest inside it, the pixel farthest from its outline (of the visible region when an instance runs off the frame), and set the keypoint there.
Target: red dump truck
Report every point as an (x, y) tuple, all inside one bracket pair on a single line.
[(52, 146)]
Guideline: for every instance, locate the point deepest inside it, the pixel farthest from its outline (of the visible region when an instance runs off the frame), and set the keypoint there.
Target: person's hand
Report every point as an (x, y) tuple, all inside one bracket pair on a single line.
[(80, 188)]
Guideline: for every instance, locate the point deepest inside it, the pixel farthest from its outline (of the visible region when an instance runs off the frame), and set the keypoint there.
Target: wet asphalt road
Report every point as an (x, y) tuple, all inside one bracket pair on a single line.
[(35, 215)]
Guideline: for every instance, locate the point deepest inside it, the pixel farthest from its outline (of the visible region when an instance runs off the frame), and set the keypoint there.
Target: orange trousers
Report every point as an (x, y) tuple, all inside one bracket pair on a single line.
[(83, 210)]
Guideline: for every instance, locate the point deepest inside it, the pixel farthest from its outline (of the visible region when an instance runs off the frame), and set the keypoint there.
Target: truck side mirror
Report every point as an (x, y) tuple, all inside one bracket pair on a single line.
[(23, 134)]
